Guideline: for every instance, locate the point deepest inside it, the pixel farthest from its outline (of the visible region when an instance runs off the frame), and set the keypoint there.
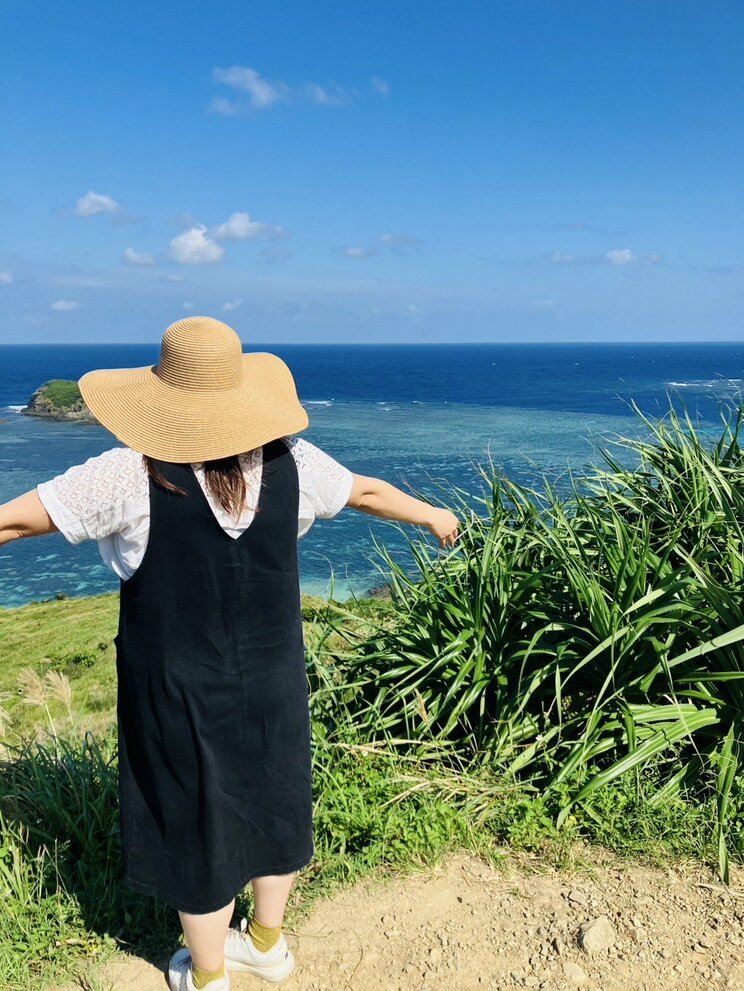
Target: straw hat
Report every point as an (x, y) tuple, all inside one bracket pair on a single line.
[(204, 399)]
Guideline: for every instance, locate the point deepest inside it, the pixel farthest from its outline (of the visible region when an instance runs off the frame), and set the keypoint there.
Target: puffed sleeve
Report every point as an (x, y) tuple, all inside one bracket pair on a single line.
[(325, 484), (91, 500)]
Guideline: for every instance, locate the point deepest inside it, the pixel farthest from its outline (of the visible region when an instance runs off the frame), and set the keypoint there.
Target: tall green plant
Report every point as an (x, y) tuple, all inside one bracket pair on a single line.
[(570, 639)]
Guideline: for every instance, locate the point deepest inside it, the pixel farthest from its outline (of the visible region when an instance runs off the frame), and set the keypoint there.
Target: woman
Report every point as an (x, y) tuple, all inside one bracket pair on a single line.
[(199, 514)]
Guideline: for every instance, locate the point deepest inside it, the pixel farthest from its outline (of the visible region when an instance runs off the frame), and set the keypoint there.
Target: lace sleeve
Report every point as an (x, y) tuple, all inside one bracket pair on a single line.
[(326, 481), (91, 500)]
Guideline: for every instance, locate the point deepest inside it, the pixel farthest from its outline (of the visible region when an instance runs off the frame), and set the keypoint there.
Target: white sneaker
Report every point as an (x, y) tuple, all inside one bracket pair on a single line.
[(241, 954), (180, 974)]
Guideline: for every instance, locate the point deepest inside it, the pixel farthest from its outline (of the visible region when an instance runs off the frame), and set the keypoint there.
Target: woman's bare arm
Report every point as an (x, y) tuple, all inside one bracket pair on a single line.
[(24, 516), (379, 498)]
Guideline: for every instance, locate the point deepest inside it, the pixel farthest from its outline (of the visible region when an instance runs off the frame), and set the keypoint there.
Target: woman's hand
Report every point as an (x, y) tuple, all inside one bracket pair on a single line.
[(379, 498), (444, 525)]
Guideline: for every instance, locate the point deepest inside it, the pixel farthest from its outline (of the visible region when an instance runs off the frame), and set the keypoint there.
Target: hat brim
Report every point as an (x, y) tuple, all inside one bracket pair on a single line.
[(186, 426)]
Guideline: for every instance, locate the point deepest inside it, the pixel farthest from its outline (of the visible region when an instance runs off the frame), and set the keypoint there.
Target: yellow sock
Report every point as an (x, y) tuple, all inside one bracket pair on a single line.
[(202, 977), (263, 937)]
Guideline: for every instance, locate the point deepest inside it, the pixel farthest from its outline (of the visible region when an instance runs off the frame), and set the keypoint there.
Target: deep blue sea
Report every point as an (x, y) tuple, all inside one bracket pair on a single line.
[(421, 417)]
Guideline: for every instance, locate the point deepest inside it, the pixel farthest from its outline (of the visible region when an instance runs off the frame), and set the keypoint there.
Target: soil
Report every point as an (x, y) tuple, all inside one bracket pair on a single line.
[(466, 925)]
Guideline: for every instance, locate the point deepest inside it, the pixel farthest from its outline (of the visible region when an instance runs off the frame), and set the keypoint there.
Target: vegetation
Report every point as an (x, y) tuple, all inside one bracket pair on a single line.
[(572, 669), (571, 641), (62, 393)]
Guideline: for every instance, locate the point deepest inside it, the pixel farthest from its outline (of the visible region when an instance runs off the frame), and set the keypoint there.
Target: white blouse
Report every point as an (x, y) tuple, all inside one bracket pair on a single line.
[(107, 499)]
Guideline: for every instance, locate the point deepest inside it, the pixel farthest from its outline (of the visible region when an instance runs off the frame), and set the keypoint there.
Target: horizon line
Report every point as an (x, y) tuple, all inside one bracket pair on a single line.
[(379, 344)]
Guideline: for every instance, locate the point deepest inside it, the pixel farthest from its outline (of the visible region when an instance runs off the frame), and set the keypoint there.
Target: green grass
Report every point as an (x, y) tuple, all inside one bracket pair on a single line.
[(75, 637), (62, 392), (65, 911), (72, 636), (571, 641), (572, 670)]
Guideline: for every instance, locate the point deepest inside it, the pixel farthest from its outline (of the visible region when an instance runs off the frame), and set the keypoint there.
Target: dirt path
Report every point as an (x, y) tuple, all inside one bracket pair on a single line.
[(467, 926)]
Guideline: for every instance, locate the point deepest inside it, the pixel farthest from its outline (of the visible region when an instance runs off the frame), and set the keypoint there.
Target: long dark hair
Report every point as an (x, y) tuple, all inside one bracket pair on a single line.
[(223, 478)]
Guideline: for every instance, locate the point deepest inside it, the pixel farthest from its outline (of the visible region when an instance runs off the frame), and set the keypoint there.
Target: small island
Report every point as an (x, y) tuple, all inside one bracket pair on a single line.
[(59, 399)]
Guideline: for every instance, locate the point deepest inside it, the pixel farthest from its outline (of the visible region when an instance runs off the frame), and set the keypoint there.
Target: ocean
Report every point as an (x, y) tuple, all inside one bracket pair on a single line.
[(421, 417)]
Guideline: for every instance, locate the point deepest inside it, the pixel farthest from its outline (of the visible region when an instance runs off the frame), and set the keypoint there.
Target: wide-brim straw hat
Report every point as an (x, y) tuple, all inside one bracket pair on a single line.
[(204, 399)]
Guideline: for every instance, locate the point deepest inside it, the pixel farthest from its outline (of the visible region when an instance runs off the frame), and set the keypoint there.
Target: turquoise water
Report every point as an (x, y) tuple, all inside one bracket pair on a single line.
[(422, 445)]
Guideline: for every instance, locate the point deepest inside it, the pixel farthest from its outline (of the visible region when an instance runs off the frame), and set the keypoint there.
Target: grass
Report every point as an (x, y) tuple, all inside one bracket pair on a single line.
[(63, 393), (74, 637), (70, 636), (572, 641), (376, 812), (572, 670)]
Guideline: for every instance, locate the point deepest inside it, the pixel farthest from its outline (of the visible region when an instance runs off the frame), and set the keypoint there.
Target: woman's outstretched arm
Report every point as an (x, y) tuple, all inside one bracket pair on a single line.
[(24, 516), (379, 498)]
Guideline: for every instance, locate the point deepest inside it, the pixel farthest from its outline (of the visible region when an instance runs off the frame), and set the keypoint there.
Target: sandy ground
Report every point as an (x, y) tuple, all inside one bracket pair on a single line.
[(466, 925)]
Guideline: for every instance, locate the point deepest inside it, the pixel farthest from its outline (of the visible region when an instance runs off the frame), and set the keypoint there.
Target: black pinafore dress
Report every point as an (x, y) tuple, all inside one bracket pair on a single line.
[(213, 716)]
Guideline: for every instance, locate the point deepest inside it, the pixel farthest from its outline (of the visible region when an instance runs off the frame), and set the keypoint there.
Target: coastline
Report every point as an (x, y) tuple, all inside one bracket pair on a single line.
[(531, 412), (379, 593)]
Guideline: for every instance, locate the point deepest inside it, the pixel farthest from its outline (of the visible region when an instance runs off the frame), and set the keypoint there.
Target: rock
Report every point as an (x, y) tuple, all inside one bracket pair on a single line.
[(574, 973), (597, 936), (577, 898), (383, 592), (59, 399)]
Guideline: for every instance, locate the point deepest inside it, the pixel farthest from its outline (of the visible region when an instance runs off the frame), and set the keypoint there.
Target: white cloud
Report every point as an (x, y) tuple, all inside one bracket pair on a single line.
[(545, 304), (354, 251), (65, 305), (195, 247), (231, 307), (93, 203), (325, 96), (136, 258), (226, 108), (317, 95), (399, 242), (620, 256), (264, 93), (380, 86), (188, 306), (261, 92), (6, 278), (396, 243), (172, 278), (617, 257), (240, 227)]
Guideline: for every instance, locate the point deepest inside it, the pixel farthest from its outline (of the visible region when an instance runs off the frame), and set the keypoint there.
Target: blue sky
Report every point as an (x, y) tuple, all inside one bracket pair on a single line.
[(352, 172)]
